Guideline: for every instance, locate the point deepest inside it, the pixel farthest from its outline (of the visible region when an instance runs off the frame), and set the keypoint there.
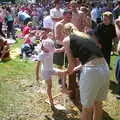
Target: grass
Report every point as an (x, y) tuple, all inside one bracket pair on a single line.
[(112, 106), (21, 100)]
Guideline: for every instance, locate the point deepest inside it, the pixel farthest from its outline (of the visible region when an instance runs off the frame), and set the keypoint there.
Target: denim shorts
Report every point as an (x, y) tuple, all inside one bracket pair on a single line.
[(94, 84)]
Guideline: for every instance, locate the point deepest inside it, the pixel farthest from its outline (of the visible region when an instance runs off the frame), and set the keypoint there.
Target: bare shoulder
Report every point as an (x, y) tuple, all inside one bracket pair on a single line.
[(59, 24), (66, 40), (81, 13)]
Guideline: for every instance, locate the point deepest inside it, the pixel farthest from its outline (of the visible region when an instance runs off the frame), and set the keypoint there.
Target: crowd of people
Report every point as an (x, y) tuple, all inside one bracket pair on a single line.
[(77, 36)]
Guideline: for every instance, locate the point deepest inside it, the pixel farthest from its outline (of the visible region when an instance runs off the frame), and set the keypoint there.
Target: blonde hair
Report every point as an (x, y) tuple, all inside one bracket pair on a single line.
[(29, 23), (69, 29), (109, 15)]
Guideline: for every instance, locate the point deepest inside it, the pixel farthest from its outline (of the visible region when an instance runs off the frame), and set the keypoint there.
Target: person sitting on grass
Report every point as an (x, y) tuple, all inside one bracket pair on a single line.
[(4, 49), (29, 44), (27, 29), (45, 62)]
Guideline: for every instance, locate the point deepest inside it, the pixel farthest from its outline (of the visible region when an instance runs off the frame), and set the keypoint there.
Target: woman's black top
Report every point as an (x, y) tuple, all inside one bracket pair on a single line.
[(84, 48)]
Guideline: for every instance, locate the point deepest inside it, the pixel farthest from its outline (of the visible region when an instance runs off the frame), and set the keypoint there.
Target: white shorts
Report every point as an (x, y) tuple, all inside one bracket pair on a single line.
[(94, 84), (47, 75)]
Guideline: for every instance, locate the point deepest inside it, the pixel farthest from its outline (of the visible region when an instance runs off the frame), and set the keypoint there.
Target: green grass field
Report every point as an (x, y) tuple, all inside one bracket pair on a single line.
[(21, 100)]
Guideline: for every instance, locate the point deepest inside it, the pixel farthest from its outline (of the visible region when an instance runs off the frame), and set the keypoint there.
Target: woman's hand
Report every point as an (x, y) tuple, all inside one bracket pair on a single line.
[(59, 50), (79, 67)]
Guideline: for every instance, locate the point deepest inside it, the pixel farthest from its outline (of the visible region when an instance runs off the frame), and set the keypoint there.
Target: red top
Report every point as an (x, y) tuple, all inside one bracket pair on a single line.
[(26, 30)]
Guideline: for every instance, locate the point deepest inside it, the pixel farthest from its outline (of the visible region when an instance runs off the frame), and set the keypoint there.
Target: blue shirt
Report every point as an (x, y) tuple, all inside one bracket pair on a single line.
[(23, 16)]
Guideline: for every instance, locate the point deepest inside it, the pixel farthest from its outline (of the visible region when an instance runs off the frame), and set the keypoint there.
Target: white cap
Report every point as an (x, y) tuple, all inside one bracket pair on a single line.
[(48, 44)]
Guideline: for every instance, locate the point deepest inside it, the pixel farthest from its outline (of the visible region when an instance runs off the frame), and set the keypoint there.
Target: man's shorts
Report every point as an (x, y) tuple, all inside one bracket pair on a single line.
[(94, 84), (58, 58)]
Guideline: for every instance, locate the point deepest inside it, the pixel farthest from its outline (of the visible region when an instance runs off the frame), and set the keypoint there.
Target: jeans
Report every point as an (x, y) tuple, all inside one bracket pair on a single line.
[(10, 29)]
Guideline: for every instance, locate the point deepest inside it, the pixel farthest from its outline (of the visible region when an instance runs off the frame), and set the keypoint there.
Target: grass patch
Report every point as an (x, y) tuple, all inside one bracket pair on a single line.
[(20, 99)]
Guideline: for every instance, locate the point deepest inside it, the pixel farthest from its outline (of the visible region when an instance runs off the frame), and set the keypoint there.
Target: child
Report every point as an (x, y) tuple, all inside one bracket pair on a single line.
[(27, 29), (45, 61), (29, 44)]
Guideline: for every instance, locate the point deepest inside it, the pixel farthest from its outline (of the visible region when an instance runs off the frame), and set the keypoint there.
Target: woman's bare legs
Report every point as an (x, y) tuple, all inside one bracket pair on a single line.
[(93, 113), (87, 113), (97, 111)]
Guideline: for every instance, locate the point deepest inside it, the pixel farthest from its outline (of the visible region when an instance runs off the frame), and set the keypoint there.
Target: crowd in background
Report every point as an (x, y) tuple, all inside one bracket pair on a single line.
[(40, 21)]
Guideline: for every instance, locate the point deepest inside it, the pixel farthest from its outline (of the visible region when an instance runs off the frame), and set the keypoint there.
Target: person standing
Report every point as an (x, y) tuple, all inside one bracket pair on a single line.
[(10, 24), (94, 78), (45, 69), (117, 69), (78, 16), (59, 58), (57, 12), (59, 35), (105, 33), (1, 21)]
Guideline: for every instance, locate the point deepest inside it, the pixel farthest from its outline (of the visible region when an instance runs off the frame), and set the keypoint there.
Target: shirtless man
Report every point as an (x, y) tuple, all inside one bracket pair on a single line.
[(59, 36), (78, 16)]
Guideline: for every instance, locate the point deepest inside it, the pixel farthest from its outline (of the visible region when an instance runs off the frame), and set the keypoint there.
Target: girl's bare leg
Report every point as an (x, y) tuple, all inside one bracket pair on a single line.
[(49, 91)]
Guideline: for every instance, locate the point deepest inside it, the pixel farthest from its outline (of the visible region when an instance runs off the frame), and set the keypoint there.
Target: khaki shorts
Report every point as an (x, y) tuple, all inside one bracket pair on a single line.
[(94, 84)]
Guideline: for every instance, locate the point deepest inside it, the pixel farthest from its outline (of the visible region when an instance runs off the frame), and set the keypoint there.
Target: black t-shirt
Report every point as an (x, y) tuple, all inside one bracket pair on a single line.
[(105, 34), (84, 48)]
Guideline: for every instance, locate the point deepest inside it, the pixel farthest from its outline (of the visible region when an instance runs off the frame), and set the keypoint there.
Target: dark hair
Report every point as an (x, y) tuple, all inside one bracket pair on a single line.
[(118, 2), (43, 29), (8, 9), (56, 1), (67, 11)]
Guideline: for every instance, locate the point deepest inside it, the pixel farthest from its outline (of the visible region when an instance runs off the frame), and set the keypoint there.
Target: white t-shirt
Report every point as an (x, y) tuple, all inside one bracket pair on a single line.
[(56, 13), (48, 22), (94, 14), (46, 60), (33, 39)]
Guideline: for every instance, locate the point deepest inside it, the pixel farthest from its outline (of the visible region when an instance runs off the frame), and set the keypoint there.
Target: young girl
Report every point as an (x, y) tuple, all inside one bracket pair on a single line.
[(45, 62)]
